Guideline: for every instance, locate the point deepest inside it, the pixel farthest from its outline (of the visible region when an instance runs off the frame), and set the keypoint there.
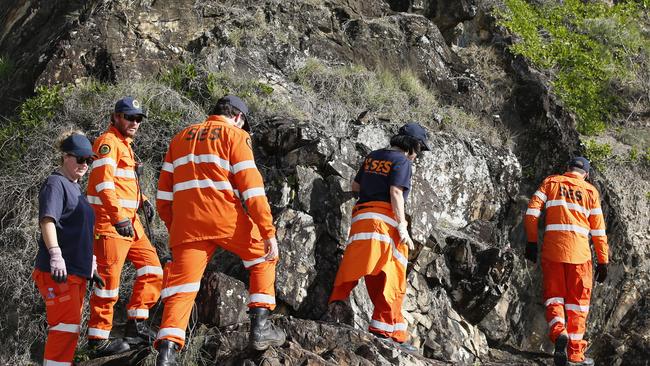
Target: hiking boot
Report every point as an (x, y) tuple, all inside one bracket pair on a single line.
[(263, 334), (338, 312), (107, 347), (403, 346), (586, 362), (137, 332), (167, 351), (560, 355)]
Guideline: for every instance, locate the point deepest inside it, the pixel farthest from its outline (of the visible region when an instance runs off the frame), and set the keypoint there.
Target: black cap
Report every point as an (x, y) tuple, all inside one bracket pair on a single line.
[(236, 102), (580, 162), (77, 145), (416, 131)]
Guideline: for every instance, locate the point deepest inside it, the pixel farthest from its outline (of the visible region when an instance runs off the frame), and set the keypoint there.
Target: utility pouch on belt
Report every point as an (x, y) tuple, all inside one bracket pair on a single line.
[(139, 169)]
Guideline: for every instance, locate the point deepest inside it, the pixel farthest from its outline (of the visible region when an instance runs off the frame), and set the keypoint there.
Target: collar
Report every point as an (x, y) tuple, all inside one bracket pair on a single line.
[(119, 135), (219, 118), (575, 175)]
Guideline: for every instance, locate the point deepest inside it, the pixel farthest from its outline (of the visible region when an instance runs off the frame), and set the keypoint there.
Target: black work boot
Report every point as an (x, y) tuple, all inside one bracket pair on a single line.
[(263, 334), (586, 362), (560, 355), (167, 351), (107, 347), (137, 332)]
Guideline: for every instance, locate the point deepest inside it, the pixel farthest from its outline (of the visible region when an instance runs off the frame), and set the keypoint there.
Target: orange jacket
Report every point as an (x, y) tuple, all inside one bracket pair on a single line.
[(208, 171), (573, 213), (112, 186)]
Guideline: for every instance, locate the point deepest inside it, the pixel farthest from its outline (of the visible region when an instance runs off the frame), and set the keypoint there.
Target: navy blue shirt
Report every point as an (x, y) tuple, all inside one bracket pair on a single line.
[(380, 170), (62, 200)]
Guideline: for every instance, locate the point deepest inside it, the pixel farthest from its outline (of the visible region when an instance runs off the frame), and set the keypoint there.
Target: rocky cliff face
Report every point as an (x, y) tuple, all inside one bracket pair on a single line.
[(471, 298)]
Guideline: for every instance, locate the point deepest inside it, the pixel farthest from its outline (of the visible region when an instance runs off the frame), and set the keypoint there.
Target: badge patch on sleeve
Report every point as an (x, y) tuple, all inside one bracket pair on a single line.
[(104, 149)]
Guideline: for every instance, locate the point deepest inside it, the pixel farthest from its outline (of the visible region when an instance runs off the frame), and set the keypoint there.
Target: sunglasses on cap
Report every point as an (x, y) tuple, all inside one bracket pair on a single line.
[(133, 117), (80, 159)]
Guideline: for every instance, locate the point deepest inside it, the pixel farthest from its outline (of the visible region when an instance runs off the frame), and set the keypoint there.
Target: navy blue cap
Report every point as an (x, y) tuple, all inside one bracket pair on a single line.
[(416, 131), (580, 162), (236, 102), (129, 105), (77, 145)]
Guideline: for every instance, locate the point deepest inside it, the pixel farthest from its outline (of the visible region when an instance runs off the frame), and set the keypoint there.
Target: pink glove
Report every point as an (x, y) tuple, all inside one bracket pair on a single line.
[(57, 265)]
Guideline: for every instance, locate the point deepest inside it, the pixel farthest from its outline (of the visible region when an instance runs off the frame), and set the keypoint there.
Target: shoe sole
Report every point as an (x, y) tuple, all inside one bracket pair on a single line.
[(560, 354), (263, 346)]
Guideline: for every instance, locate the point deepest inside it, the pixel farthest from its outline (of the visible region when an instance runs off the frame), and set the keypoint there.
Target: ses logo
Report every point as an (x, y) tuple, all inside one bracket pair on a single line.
[(374, 166)]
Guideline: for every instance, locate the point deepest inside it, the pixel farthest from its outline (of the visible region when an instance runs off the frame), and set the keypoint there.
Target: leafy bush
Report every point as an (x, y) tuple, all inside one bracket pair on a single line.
[(597, 153), (588, 46)]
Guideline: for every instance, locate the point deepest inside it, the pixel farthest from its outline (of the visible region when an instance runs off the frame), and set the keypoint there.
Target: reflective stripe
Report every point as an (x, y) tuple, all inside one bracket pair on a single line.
[(248, 264), (249, 193), (565, 227), (533, 212), (576, 336), (374, 216), (55, 363), (203, 183), (187, 287), (598, 233), (149, 270), (554, 300), (242, 165), (163, 195), (63, 327), (383, 238), (577, 307), (596, 211), (106, 294), (138, 313), (541, 196), (94, 200), (203, 158), (176, 332), (104, 161), (125, 173), (556, 320), (267, 299), (387, 327), (168, 167), (104, 185), (568, 205), (95, 332)]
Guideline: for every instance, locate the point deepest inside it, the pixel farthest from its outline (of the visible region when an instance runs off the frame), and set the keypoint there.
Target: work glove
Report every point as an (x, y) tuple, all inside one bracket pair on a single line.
[(404, 236), (57, 265), (124, 228), (96, 279), (531, 252), (149, 210), (271, 248), (601, 272)]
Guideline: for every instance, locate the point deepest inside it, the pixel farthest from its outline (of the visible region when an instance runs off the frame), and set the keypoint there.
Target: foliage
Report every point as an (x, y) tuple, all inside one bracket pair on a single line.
[(597, 153), (588, 46), (6, 68)]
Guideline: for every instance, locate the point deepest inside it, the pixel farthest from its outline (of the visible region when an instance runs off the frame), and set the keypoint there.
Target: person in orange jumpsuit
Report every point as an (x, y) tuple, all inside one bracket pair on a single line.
[(65, 261), (208, 171), (114, 193), (378, 243), (573, 214)]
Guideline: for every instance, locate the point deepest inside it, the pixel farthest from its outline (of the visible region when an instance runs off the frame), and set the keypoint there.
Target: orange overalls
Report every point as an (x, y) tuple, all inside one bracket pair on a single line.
[(573, 213), (374, 252), (63, 303), (208, 170), (114, 194)]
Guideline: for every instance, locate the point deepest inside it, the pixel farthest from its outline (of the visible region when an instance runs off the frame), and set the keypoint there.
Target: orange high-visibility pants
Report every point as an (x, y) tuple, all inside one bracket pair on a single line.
[(183, 279), (63, 305), (373, 251), (567, 292), (111, 254)]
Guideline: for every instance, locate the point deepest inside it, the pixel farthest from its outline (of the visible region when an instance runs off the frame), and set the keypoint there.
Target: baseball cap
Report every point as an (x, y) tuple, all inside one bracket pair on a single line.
[(238, 103), (580, 162), (77, 145), (129, 105), (416, 131)]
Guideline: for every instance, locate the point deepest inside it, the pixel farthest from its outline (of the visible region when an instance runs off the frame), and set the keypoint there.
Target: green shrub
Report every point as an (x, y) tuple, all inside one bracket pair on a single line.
[(588, 46), (597, 153)]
